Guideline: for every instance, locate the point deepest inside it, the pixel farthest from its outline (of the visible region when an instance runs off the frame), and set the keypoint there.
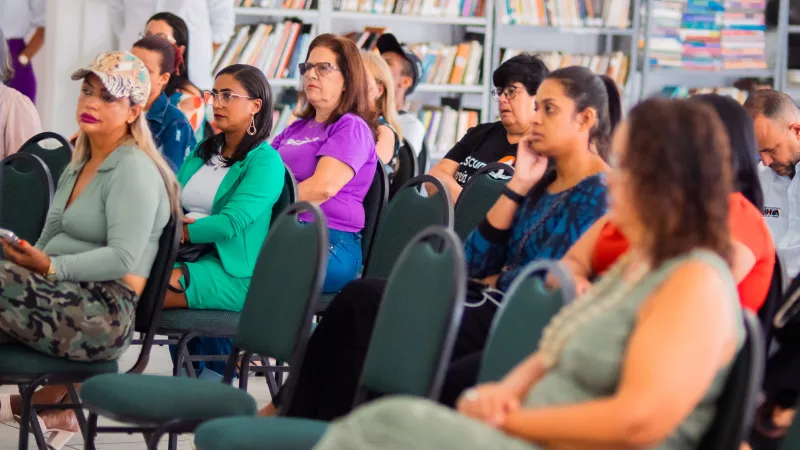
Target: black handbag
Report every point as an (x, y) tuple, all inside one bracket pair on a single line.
[(189, 252)]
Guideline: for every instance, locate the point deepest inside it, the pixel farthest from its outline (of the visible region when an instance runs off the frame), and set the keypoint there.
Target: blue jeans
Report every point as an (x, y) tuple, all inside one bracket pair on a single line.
[(206, 346), (344, 260)]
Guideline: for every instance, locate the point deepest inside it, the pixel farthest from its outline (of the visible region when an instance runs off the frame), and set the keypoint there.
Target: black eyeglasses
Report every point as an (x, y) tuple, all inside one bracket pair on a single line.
[(224, 97), (322, 68), (510, 92)]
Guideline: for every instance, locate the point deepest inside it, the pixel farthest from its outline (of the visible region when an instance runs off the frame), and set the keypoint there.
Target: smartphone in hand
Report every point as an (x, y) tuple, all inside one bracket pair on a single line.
[(10, 237)]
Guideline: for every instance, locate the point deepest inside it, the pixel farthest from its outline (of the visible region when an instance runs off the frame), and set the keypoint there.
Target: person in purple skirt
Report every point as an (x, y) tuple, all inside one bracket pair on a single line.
[(18, 20)]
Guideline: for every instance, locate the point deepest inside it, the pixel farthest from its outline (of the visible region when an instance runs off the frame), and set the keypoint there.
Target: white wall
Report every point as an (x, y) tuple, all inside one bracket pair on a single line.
[(76, 31)]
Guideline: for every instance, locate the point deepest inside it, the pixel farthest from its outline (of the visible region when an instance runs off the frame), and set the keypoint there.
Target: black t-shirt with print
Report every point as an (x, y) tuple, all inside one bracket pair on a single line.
[(484, 144)]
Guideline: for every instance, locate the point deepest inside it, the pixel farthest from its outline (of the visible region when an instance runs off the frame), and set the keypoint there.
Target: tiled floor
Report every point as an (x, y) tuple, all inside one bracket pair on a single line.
[(159, 364)]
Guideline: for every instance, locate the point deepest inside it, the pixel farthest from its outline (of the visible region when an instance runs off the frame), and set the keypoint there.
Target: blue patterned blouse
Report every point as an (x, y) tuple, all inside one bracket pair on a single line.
[(543, 229)]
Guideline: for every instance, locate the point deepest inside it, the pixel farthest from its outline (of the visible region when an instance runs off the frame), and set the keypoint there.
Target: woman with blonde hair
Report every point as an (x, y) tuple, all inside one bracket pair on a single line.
[(73, 295), (381, 98)]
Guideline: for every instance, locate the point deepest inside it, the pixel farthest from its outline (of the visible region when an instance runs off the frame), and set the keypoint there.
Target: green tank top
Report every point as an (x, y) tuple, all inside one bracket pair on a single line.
[(590, 364)]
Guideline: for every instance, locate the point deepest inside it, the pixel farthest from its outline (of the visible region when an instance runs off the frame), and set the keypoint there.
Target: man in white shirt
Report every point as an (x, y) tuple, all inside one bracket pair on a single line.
[(406, 71), (18, 18), (210, 24), (777, 126)]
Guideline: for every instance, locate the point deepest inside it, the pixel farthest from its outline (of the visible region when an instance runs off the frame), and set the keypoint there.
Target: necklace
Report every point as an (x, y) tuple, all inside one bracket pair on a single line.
[(595, 302), (315, 123)]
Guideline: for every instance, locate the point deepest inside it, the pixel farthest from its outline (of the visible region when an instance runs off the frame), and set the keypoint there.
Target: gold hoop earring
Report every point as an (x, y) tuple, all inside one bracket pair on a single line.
[(252, 130)]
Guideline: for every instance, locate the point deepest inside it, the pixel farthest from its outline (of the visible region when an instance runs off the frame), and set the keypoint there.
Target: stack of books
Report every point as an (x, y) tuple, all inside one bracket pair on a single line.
[(568, 13), (685, 92), (434, 8), (274, 48), (450, 64), (701, 31), (743, 35), (277, 4), (367, 40), (665, 37), (614, 65), (445, 126)]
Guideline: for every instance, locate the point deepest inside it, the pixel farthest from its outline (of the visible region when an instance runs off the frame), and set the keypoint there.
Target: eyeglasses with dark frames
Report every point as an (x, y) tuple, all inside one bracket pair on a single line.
[(322, 68), (224, 97), (510, 92)]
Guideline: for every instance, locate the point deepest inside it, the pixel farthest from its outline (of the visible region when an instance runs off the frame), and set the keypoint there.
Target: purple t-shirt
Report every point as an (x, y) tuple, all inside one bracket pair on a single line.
[(350, 141)]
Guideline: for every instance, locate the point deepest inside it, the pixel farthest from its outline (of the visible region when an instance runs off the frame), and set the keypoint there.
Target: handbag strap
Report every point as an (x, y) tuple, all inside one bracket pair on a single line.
[(186, 279)]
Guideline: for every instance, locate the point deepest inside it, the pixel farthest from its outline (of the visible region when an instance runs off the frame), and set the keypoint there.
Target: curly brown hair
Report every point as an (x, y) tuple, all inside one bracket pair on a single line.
[(678, 160)]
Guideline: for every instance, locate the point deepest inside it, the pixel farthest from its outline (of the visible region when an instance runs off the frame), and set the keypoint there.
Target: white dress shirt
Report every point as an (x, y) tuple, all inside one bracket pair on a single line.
[(209, 21), (413, 131), (19, 17), (198, 195), (782, 213)]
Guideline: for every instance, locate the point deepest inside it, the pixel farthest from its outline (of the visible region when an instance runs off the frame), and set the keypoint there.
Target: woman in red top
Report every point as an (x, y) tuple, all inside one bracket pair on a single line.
[(754, 252)]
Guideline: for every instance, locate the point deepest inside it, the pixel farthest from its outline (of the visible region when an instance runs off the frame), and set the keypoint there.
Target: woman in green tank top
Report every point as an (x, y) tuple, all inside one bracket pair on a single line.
[(640, 360)]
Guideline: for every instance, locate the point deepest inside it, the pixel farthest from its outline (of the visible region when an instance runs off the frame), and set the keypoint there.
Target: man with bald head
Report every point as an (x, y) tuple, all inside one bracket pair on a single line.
[(777, 128)]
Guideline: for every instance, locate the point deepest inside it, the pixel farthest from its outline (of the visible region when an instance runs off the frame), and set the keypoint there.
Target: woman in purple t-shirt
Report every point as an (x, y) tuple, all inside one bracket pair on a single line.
[(331, 149)]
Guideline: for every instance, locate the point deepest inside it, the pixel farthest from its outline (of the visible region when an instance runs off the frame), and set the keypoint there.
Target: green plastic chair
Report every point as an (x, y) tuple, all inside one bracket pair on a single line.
[(792, 439), (526, 310), (406, 214), (275, 321), (30, 369), (426, 288), (186, 324), (26, 192), (479, 195), (55, 158), (423, 159), (737, 403), (374, 203), (407, 168)]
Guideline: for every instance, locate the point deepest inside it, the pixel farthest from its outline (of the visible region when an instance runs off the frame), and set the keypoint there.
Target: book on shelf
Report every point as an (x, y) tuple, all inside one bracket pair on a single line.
[(686, 92), (430, 8), (276, 49), (615, 65), (282, 116), (445, 126), (367, 40), (568, 13), (450, 64), (277, 4), (708, 34)]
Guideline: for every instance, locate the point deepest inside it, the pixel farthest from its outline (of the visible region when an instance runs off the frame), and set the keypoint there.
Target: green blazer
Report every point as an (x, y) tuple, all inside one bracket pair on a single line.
[(242, 208)]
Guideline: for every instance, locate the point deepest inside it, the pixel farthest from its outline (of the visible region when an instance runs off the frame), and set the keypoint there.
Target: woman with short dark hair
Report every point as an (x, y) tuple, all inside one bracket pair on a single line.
[(515, 83), (330, 148)]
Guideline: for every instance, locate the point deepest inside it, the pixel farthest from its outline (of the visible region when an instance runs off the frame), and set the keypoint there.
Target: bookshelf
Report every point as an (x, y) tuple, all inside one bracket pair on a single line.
[(737, 57)]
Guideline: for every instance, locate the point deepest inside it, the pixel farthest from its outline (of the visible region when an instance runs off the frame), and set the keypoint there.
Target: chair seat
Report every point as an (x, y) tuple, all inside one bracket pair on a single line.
[(155, 399), (20, 360), (198, 319), (258, 433)]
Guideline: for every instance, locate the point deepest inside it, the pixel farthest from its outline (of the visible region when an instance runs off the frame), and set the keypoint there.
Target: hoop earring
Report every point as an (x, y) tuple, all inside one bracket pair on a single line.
[(252, 130)]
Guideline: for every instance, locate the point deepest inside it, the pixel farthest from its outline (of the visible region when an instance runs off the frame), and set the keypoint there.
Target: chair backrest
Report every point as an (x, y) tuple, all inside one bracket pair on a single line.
[(26, 192), (792, 439), (737, 403), (526, 310), (423, 159), (773, 302), (407, 168), (287, 197), (479, 195), (151, 302), (56, 157), (374, 202), (283, 294), (418, 319), (408, 213)]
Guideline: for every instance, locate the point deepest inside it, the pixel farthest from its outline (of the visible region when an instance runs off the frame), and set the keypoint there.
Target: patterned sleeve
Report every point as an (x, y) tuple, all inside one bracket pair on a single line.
[(486, 249)]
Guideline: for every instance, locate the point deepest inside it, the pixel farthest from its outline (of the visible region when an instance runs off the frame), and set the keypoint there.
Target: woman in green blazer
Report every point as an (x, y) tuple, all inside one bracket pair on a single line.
[(230, 184)]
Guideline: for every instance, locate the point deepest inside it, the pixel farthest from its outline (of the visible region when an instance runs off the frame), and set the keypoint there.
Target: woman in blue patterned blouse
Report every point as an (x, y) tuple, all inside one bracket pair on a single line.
[(542, 213)]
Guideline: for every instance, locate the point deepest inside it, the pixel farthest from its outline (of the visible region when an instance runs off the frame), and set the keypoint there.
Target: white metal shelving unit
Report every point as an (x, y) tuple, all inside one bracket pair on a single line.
[(325, 17)]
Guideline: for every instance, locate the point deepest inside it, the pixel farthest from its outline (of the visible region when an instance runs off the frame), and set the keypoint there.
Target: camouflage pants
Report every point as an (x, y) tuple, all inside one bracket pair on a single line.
[(82, 321)]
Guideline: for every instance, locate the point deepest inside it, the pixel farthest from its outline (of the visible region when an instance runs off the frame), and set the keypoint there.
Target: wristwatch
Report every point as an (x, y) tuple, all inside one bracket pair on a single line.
[(51, 274), (24, 60)]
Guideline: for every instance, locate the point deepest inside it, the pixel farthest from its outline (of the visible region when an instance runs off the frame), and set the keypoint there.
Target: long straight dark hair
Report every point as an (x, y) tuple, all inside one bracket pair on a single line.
[(255, 83), (181, 34), (744, 151)]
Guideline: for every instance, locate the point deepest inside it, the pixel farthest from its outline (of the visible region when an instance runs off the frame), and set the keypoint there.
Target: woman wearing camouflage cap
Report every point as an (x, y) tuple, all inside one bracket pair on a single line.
[(73, 295)]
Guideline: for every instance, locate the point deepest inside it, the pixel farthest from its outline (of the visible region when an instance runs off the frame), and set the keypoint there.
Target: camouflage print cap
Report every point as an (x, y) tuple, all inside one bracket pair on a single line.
[(122, 73)]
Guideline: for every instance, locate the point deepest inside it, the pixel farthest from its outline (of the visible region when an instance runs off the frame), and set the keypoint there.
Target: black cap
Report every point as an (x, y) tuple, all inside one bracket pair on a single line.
[(388, 43)]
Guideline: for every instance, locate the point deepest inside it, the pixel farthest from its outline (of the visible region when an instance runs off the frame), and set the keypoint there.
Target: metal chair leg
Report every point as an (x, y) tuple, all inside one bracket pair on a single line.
[(173, 442), (79, 414), (27, 418), (91, 432)]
